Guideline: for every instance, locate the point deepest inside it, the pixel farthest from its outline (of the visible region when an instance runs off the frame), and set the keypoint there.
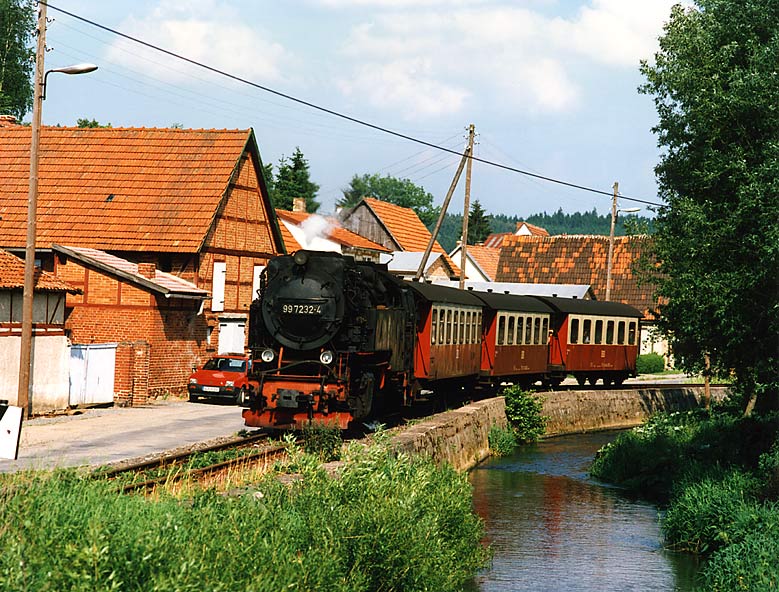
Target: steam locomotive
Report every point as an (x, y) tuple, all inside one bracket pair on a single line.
[(344, 341)]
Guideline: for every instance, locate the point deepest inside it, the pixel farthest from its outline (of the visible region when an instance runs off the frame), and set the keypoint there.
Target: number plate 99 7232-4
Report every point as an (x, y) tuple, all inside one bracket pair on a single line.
[(302, 309)]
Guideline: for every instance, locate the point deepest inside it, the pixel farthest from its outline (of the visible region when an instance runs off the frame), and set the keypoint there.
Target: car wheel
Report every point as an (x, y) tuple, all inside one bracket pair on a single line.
[(239, 395)]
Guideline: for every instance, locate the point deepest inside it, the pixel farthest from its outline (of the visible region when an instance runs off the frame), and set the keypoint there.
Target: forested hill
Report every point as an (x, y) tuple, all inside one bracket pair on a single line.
[(557, 223)]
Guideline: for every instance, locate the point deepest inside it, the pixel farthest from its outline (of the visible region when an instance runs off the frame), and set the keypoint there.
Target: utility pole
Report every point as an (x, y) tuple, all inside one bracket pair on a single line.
[(611, 240), (25, 355), (467, 204), (426, 256)]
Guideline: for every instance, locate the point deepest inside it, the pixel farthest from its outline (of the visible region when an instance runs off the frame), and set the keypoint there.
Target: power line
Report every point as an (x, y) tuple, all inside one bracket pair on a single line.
[(337, 113)]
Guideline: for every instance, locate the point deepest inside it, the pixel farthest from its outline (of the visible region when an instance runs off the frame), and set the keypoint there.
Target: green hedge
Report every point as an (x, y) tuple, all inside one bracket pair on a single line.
[(650, 364)]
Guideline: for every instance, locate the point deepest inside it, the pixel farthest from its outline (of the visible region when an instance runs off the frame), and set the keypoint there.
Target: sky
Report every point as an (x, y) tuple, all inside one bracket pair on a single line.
[(551, 87)]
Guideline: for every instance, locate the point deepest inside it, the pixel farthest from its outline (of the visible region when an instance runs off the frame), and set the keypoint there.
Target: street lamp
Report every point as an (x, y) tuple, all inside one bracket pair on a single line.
[(614, 212), (25, 356)]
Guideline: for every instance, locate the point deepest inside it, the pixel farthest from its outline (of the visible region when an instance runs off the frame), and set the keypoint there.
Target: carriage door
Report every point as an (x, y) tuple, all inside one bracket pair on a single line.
[(232, 335)]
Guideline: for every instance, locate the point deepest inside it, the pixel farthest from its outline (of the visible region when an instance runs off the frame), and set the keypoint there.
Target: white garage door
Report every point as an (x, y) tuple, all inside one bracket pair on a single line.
[(92, 373)]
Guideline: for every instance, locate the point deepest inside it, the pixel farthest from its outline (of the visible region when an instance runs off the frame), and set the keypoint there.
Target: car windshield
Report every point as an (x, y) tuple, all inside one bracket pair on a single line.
[(225, 365)]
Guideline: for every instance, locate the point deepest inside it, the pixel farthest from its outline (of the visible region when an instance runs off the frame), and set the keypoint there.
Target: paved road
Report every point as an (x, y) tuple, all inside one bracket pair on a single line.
[(100, 436)]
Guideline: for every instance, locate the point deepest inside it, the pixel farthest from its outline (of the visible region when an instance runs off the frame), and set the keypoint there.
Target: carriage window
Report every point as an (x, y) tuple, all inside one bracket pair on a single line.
[(461, 334), (598, 332), (434, 327), (441, 325), (574, 331), (632, 333), (621, 333), (448, 327), (510, 333), (477, 328), (501, 329), (544, 330), (528, 331), (609, 332), (586, 331), (455, 327), (536, 331)]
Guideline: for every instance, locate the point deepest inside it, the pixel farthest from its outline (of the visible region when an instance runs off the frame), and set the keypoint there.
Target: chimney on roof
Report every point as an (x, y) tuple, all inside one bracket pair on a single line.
[(147, 270), (8, 121), (299, 204)]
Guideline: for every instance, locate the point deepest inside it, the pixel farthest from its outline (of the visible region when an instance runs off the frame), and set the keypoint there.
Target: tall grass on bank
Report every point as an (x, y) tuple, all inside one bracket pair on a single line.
[(720, 475), (386, 523)]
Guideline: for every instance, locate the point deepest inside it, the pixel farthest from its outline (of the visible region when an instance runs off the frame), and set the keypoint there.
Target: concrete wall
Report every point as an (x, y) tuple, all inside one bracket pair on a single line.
[(456, 437), (50, 371)]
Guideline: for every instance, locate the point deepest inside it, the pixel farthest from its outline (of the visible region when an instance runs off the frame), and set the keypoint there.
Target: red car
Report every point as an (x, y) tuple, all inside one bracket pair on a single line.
[(221, 377)]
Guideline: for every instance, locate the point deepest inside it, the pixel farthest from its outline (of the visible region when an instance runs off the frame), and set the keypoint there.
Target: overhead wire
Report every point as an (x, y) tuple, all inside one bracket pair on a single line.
[(338, 114)]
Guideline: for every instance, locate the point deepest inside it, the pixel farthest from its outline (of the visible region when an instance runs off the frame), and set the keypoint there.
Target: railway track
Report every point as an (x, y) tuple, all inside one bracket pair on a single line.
[(201, 465)]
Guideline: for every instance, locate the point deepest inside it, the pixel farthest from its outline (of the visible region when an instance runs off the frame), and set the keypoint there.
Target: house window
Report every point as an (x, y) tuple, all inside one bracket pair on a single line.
[(218, 286)]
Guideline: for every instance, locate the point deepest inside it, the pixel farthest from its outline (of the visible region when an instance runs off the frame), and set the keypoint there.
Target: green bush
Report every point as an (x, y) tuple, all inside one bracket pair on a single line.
[(650, 364), (387, 523), (523, 411), (502, 441)]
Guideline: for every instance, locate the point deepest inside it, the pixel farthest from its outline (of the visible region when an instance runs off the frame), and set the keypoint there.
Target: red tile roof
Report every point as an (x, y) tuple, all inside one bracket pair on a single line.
[(576, 259), (335, 232), (534, 230), (484, 257), (404, 225), (12, 276), (495, 240), (116, 188)]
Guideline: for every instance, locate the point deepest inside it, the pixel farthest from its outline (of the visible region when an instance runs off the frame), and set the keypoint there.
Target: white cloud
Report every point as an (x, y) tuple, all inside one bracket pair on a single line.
[(406, 86), (493, 51), (205, 31)]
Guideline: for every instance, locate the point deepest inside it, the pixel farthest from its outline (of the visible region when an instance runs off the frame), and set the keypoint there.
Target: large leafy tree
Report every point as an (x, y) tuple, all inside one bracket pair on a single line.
[(17, 58), (479, 227), (715, 83), (292, 180), (401, 192)]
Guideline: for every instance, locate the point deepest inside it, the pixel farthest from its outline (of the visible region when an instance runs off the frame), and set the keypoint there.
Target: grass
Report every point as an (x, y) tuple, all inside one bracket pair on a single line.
[(386, 523)]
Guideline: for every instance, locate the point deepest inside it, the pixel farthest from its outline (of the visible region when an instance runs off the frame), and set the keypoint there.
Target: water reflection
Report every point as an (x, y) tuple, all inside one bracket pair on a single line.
[(552, 528)]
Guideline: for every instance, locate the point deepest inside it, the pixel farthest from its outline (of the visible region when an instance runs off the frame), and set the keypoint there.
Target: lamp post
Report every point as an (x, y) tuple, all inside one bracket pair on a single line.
[(614, 212), (23, 396)]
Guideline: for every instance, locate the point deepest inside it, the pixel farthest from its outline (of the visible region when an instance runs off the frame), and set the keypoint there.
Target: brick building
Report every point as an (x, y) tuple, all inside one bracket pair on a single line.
[(190, 203)]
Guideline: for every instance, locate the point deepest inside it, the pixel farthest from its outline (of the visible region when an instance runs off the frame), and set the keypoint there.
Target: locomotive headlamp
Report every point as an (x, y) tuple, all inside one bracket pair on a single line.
[(326, 357), (267, 355), (300, 258)]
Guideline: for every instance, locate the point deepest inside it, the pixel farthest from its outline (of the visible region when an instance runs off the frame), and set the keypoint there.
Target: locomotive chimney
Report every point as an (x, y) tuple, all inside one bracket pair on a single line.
[(299, 204)]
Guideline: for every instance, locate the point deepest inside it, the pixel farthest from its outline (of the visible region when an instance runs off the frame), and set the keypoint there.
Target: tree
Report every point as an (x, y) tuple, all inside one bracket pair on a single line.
[(90, 123), (401, 192), (479, 227), (293, 180), (715, 83), (17, 58)]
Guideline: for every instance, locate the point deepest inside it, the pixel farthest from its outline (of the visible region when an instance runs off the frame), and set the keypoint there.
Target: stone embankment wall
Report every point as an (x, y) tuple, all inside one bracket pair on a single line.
[(459, 437), (572, 412)]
